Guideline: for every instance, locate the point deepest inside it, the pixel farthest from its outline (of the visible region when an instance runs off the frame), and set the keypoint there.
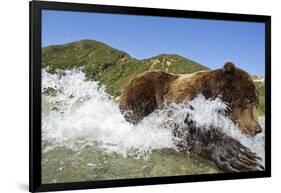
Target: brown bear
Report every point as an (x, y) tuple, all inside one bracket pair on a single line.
[(148, 91), (152, 89)]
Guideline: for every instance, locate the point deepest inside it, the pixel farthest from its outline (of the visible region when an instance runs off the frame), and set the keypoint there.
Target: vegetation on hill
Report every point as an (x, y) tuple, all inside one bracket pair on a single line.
[(113, 68), (261, 90)]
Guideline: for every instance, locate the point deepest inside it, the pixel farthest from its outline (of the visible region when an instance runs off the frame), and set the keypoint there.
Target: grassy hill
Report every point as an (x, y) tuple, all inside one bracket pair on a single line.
[(109, 66), (261, 90), (113, 67)]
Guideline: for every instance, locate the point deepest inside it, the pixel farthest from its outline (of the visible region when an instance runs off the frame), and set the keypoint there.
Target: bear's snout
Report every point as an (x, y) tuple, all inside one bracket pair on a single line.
[(258, 129)]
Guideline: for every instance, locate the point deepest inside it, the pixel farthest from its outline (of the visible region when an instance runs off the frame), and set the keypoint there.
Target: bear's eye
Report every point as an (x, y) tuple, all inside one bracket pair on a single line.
[(247, 101), (250, 100)]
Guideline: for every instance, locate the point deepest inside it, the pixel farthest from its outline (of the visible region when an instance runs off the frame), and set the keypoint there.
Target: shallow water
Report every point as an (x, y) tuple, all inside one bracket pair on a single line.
[(65, 165), (86, 138)]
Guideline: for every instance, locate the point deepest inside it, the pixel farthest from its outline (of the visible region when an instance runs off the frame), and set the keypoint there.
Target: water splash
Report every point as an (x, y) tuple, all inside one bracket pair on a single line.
[(77, 112), (82, 113)]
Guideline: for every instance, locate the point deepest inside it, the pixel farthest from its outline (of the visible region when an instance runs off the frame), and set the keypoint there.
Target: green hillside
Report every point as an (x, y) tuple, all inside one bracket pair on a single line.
[(113, 68), (109, 66), (261, 91)]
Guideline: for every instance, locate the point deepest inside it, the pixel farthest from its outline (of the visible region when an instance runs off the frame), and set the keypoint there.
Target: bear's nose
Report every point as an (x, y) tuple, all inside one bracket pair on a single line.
[(258, 129)]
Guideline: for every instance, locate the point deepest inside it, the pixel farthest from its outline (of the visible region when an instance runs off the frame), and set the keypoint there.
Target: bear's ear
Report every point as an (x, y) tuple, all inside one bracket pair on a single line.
[(228, 67)]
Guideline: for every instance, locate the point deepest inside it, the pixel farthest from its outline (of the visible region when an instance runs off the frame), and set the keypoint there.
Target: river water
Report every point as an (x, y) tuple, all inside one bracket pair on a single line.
[(85, 138)]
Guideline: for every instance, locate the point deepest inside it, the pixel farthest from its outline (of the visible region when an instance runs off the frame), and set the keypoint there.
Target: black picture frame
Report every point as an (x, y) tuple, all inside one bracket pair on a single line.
[(36, 8)]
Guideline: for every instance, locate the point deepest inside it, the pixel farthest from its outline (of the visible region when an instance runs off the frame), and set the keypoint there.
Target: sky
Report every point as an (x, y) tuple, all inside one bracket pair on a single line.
[(208, 42)]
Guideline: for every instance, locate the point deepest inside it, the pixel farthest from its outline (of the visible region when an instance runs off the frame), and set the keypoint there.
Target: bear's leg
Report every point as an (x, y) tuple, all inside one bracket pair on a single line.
[(134, 113), (231, 156), (138, 99), (228, 153)]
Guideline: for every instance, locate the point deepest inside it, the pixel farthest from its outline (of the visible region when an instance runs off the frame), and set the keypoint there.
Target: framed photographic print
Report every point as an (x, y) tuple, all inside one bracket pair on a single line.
[(123, 96)]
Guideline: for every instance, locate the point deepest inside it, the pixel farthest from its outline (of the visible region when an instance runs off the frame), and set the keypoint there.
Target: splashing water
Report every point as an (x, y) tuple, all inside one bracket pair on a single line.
[(77, 113), (83, 111)]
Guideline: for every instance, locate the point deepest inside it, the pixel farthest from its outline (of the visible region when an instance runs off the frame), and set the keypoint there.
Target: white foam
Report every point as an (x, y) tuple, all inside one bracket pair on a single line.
[(81, 113), (91, 116)]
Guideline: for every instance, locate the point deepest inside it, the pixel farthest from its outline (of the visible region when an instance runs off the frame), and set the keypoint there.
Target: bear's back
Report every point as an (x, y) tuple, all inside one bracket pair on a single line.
[(186, 86)]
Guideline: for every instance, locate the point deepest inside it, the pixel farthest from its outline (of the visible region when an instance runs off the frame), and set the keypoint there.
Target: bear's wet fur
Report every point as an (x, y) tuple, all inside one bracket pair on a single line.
[(152, 89), (213, 144)]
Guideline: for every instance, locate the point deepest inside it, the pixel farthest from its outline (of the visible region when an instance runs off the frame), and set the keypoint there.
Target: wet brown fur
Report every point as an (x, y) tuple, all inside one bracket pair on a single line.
[(150, 90)]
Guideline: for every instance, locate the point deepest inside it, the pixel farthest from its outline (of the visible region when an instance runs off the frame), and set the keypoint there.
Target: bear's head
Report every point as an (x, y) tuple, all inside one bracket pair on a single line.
[(237, 88)]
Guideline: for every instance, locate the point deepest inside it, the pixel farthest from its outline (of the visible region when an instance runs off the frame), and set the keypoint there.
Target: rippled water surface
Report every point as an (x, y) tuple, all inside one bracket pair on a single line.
[(85, 137)]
